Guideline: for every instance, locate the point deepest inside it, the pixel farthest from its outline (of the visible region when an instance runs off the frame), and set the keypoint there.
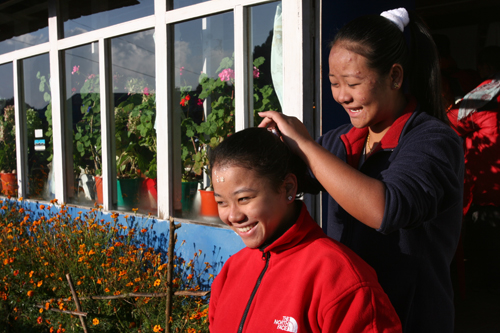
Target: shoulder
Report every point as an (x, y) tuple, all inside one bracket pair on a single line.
[(339, 262), (329, 138)]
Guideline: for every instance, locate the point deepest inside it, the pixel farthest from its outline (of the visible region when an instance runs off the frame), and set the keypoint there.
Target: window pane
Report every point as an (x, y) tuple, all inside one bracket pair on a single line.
[(267, 58), (83, 123), (203, 98), (133, 58), (17, 33), (175, 4), (38, 108), (7, 133), (84, 16)]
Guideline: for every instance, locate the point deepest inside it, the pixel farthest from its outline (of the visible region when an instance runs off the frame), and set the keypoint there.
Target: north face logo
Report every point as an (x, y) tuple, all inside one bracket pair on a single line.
[(288, 324)]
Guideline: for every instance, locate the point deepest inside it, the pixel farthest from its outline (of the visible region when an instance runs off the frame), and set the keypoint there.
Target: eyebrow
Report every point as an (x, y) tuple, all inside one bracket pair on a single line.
[(245, 189)]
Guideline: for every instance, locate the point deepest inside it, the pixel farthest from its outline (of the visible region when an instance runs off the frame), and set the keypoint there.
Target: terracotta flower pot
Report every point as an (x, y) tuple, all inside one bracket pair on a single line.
[(9, 183), (98, 189), (208, 204)]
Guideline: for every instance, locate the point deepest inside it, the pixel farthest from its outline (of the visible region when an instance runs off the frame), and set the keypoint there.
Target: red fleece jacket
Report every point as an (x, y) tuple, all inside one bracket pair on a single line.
[(303, 282)]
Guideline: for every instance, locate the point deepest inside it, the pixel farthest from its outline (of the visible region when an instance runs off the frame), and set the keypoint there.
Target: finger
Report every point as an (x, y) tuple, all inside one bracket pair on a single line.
[(266, 122)]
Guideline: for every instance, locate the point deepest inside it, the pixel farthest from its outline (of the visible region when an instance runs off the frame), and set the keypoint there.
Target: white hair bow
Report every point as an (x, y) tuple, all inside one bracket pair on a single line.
[(397, 16)]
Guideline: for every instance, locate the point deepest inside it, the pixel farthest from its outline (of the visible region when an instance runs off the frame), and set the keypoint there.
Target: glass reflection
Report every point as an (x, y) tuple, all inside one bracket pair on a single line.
[(267, 58), (133, 58), (8, 159), (38, 109), (91, 15), (83, 123), (23, 25), (203, 99), (175, 4)]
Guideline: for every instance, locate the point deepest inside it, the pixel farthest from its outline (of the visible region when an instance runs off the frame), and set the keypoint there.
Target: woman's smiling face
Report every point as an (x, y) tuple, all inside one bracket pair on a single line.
[(249, 205), (365, 95)]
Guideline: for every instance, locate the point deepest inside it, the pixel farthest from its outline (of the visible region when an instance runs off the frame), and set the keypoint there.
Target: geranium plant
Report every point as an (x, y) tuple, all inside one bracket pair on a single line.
[(198, 137)]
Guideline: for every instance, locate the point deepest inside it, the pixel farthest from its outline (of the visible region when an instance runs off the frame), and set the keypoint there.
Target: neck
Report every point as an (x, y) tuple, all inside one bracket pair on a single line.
[(289, 220)]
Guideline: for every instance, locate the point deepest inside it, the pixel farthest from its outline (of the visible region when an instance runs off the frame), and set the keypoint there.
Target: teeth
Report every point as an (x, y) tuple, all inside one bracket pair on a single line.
[(246, 229)]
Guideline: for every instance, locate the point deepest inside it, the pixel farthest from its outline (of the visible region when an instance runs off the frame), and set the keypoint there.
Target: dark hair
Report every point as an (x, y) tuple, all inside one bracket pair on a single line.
[(490, 55), (383, 44), (260, 150)]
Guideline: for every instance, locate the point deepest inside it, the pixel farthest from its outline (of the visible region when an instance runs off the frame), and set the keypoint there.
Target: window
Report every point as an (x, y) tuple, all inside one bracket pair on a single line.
[(84, 16), (23, 25), (83, 124), (90, 103), (8, 160), (38, 115), (203, 100), (133, 59)]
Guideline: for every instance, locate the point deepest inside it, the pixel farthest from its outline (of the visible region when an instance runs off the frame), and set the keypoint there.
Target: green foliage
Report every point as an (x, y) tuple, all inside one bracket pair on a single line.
[(136, 136), (198, 138), (38, 249), (7, 140)]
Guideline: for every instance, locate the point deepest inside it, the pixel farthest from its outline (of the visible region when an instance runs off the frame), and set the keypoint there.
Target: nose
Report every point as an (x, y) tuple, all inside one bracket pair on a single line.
[(235, 215), (341, 95)]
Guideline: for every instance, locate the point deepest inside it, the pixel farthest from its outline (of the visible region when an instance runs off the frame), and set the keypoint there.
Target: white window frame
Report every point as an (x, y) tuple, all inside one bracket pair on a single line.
[(298, 89)]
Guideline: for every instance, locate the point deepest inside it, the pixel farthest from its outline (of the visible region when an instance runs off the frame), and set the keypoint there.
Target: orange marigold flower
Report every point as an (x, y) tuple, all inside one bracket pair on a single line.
[(135, 209), (41, 310), (106, 290), (157, 282), (30, 293), (144, 230), (157, 328), (42, 206), (99, 280), (31, 273), (16, 272), (190, 276), (95, 321), (39, 320), (39, 283), (51, 330), (117, 293), (47, 305)]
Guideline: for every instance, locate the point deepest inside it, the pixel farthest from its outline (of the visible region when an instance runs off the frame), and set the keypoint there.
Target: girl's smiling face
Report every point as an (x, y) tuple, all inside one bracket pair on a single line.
[(248, 204), (365, 95)]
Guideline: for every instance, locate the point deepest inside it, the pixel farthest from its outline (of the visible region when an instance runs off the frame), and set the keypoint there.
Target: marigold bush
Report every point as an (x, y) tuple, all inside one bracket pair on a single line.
[(38, 249)]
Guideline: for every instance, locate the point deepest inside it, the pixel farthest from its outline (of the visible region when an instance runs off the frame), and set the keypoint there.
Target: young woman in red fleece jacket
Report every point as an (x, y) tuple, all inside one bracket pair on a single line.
[(291, 277)]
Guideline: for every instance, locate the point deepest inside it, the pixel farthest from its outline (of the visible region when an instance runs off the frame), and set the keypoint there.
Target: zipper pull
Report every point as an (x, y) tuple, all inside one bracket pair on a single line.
[(266, 256)]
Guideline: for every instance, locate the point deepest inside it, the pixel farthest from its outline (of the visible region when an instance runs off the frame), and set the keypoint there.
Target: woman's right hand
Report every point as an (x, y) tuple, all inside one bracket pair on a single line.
[(293, 132)]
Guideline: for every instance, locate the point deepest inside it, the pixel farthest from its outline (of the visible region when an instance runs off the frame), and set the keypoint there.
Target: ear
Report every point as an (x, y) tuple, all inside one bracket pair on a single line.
[(396, 74), (290, 186)]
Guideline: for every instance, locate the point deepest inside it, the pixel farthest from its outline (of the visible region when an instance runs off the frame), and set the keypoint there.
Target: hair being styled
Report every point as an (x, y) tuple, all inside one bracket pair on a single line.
[(260, 150), (382, 43)]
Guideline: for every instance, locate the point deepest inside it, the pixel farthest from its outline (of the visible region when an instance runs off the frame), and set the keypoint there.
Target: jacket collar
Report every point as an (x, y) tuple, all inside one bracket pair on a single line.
[(303, 228), (354, 140)]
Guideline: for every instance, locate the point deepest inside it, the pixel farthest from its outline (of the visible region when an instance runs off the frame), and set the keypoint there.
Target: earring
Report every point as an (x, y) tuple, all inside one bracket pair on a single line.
[(289, 197), (396, 86)]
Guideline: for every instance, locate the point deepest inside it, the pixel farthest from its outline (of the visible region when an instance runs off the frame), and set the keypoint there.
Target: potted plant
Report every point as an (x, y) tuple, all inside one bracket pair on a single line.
[(200, 136), (136, 148), (87, 147), (8, 151)]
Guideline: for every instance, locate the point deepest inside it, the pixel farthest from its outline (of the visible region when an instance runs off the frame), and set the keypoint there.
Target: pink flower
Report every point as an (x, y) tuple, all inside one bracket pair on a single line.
[(73, 90), (226, 75), (200, 102), (180, 70), (75, 69), (256, 72), (146, 91)]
